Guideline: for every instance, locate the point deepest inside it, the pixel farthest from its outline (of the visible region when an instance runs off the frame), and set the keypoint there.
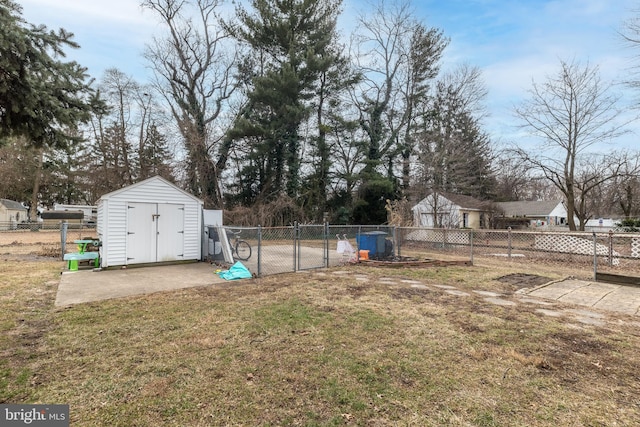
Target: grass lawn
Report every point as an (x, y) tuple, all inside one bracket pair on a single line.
[(353, 346)]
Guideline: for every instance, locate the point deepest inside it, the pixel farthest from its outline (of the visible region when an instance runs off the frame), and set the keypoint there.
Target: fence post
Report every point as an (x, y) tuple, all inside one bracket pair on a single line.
[(610, 248), (471, 245), (444, 238), (595, 257), (394, 240), (326, 244), (295, 246), (399, 242), (259, 251), (63, 237), (509, 242)]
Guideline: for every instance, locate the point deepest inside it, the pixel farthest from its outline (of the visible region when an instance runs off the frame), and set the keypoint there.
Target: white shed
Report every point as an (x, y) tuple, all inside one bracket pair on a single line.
[(448, 210), (11, 213), (151, 221)]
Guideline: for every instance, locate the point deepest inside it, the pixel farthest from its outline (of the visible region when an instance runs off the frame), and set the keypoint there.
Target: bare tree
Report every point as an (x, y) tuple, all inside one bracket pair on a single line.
[(513, 178), (118, 90), (125, 135), (628, 199), (347, 156), (425, 50), (593, 171), (621, 194), (630, 33), (569, 113), (194, 66), (397, 56), (454, 154), (19, 168)]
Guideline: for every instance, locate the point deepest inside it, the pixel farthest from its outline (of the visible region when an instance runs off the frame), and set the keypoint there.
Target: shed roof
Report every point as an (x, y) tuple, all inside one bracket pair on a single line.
[(146, 181), (528, 208), (10, 204)]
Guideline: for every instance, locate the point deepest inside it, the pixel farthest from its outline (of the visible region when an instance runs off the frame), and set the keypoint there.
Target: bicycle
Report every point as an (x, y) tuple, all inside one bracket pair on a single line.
[(240, 249)]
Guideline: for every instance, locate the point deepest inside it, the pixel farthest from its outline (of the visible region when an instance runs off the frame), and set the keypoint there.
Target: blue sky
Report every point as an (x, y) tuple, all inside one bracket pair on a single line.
[(513, 42)]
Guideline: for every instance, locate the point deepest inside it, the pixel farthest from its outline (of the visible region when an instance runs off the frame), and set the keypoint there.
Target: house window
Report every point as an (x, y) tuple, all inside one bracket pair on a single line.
[(465, 220)]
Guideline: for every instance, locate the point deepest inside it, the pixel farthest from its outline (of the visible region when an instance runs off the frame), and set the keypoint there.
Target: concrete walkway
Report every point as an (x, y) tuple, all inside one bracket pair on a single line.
[(605, 296), (87, 285)]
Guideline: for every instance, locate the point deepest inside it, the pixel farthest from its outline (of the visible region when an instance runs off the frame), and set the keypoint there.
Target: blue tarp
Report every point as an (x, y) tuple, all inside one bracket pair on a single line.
[(236, 271)]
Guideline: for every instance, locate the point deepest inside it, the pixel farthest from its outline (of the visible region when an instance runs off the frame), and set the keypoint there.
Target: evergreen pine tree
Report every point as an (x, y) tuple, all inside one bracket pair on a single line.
[(41, 97), (289, 41)]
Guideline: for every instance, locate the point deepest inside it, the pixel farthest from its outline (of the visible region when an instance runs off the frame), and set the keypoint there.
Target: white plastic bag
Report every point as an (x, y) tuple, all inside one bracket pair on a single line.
[(348, 248)]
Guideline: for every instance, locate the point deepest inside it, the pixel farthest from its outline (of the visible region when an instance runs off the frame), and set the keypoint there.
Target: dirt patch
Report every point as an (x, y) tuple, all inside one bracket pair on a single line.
[(37, 246), (408, 293), (16, 238), (405, 262), (578, 343), (356, 291), (520, 281)]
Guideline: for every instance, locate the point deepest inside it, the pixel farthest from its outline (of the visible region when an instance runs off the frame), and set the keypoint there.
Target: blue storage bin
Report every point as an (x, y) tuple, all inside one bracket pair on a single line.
[(372, 241)]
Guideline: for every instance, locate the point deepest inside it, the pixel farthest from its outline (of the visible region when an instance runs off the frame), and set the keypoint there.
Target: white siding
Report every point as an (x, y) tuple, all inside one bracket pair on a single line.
[(10, 217), (100, 230), (448, 212), (5, 215), (559, 211), (112, 218), (100, 221), (116, 228)]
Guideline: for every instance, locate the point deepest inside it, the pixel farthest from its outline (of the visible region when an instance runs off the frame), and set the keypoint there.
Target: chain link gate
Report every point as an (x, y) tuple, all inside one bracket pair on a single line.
[(283, 249), (311, 246)]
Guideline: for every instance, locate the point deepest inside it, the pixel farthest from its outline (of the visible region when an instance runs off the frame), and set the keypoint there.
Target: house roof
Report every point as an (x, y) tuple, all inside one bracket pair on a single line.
[(10, 204), (462, 201), (528, 208), (465, 202)]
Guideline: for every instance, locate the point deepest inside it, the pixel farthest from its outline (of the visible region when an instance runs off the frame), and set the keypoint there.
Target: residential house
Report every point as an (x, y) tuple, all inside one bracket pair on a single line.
[(447, 210), (11, 213), (542, 213)]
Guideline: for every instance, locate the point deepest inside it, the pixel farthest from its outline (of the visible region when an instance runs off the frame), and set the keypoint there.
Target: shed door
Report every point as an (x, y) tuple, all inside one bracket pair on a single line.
[(170, 241), (141, 233), (155, 232)]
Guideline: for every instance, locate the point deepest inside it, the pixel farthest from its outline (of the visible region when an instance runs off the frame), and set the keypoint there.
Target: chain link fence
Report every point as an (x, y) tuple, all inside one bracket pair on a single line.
[(299, 247), (9, 226), (273, 250), (302, 247), (603, 253)]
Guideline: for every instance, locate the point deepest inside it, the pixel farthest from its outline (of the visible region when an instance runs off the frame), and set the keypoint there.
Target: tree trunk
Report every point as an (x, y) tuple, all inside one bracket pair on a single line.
[(33, 212), (406, 170), (571, 213), (627, 203)]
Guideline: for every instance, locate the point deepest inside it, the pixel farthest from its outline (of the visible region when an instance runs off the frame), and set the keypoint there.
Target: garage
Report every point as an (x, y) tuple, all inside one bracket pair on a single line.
[(152, 221)]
